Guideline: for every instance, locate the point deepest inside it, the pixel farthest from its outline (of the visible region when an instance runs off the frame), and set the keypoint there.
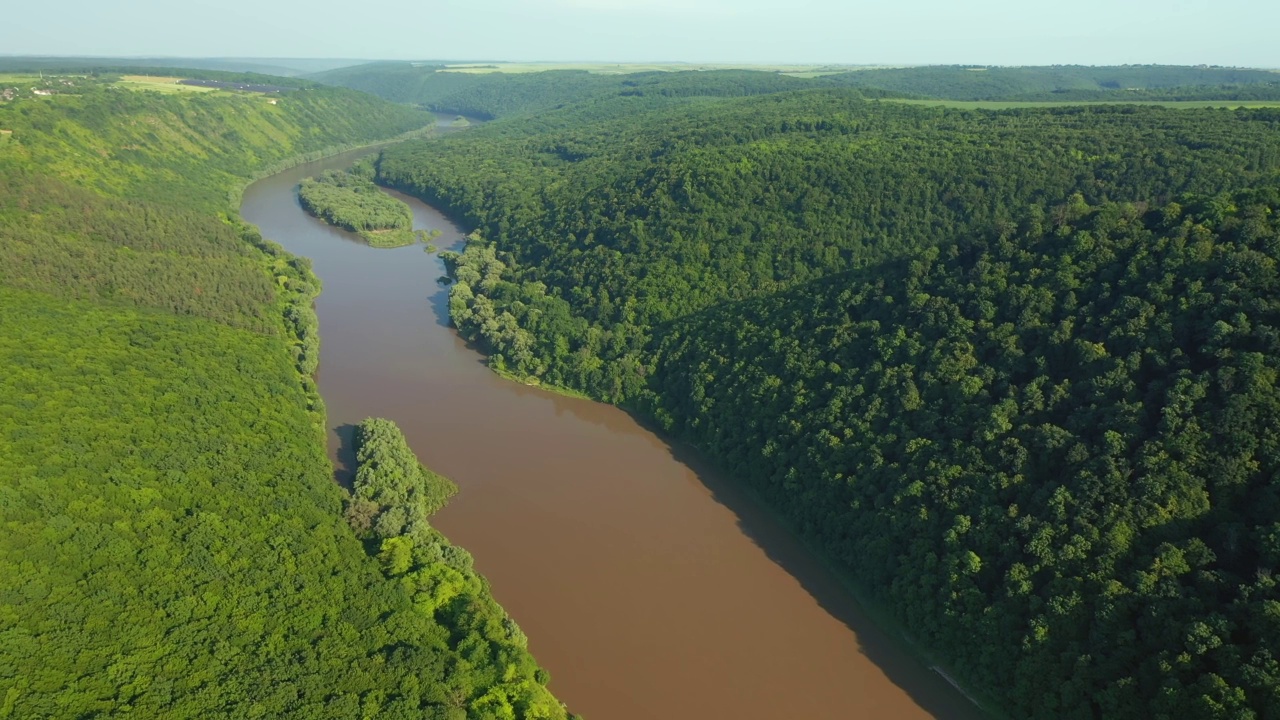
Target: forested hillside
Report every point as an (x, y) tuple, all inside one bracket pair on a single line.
[(173, 544), (1012, 370), (186, 151), (499, 94), (618, 216), (1069, 82), (493, 95), (1053, 451)]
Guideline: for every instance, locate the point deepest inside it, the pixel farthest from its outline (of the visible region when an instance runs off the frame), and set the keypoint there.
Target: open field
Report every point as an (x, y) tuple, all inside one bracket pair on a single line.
[(20, 79), (627, 68), (1003, 105), (159, 84)]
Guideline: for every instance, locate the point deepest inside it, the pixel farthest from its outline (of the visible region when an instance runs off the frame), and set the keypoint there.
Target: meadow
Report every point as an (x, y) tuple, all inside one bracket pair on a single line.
[(159, 84), (10, 79)]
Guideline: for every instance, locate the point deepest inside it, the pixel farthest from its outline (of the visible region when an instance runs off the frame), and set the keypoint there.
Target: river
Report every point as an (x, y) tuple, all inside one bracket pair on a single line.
[(649, 586)]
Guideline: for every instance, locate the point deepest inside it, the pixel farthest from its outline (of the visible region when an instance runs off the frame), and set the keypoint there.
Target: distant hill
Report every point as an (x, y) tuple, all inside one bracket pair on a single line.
[(501, 94), (1058, 82), (494, 95), (284, 67)]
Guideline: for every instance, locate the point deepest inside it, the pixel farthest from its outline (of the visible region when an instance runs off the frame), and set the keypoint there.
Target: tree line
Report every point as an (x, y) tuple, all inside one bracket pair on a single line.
[(350, 200), (392, 498)]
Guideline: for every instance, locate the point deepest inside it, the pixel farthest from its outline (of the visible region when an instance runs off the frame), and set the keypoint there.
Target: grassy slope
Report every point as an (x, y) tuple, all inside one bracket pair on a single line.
[(145, 145)]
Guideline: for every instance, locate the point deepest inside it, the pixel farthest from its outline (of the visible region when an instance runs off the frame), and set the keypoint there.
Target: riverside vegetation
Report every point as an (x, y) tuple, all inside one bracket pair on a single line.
[(1015, 372), (173, 543), (350, 200)]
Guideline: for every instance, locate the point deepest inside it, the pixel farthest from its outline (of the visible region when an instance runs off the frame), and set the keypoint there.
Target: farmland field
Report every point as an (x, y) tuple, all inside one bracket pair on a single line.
[(8, 79), (159, 84)]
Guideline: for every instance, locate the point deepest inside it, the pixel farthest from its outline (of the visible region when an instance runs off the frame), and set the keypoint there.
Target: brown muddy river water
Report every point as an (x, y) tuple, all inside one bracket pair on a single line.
[(649, 586)]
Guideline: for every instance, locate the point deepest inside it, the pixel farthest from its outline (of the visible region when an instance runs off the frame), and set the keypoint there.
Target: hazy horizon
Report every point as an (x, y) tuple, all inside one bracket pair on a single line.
[(913, 32), (594, 61)]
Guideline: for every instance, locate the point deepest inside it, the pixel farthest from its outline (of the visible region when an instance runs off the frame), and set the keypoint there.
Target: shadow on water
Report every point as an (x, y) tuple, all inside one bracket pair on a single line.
[(767, 530), (764, 527), (439, 302), (771, 533), (344, 467)]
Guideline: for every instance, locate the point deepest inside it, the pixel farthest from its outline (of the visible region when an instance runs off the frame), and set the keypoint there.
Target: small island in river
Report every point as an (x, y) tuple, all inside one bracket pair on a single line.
[(350, 200)]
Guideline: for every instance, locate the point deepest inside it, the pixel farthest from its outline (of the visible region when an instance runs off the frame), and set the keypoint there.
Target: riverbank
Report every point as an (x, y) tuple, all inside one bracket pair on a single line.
[(646, 585), (446, 589), (205, 520), (349, 200), (236, 196), (881, 614)]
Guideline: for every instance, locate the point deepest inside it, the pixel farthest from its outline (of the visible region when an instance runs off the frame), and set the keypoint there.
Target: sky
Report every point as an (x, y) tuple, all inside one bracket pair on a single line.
[(991, 32)]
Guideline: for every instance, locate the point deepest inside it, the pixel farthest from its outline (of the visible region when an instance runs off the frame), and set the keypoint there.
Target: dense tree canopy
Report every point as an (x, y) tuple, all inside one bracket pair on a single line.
[(392, 499), (492, 95), (499, 94), (171, 540), (350, 200), (1054, 450), (392, 489), (1016, 371), (612, 217)]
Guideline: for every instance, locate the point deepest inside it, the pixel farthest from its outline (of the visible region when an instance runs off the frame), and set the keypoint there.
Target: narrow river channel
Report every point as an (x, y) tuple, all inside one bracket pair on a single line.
[(649, 587)]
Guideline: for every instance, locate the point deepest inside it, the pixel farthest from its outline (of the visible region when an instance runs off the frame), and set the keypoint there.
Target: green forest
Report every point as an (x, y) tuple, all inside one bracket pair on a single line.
[(494, 95), (1061, 439), (1015, 372), (350, 200), (173, 542), (1069, 82), (392, 499), (611, 218), (498, 94)]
